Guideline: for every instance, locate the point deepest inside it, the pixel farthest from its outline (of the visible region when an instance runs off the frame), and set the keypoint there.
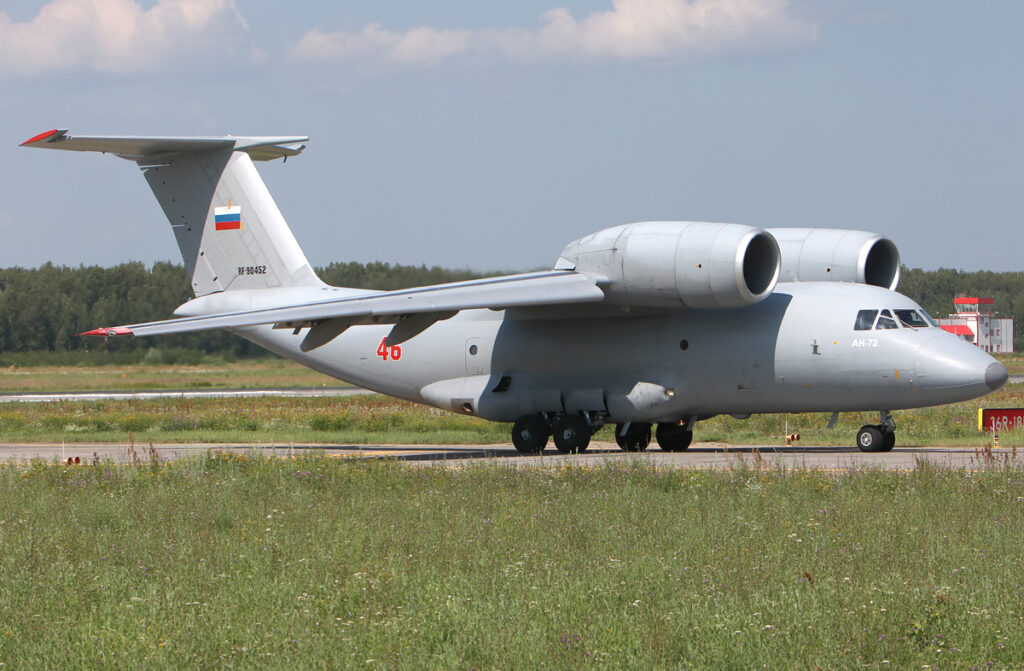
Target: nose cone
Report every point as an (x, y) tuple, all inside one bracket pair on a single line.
[(949, 370), (996, 375)]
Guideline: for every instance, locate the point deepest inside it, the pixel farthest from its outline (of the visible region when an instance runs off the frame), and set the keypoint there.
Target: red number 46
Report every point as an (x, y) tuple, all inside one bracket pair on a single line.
[(383, 350)]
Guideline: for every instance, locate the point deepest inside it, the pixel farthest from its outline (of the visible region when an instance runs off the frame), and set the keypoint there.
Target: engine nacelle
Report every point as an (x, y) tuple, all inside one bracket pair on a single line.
[(678, 263), (834, 255)]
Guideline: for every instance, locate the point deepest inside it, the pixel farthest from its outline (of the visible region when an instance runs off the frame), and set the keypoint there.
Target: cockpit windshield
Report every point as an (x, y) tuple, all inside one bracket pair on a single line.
[(885, 321), (882, 320), (865, 320), (911, 318)]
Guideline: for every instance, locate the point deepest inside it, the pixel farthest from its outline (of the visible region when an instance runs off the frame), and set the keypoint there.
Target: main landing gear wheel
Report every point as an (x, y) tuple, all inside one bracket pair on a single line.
[(635, 439), (571, 434), (875, 438), (530, 434), (673, 437)]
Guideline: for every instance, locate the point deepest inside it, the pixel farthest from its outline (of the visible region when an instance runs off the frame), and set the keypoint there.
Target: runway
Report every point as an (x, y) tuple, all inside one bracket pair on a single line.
[(699, 456)]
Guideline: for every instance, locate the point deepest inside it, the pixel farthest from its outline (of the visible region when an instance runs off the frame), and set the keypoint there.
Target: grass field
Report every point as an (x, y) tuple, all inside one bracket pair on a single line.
[(268, 373), (259, 563), (1014, 362), (380, 419)]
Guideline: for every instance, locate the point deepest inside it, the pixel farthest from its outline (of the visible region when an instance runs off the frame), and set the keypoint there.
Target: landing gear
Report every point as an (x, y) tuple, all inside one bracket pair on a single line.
[(571, 433), (878, 437), (673, 437), (870, 438), (633, 436), (530, 434)]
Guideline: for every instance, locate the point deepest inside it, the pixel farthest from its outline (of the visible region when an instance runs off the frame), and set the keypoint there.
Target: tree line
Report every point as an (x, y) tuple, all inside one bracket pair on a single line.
[(42, 309)]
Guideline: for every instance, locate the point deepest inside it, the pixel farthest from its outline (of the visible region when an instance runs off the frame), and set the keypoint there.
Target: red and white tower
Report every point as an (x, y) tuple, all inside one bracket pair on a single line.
[(976, 323)]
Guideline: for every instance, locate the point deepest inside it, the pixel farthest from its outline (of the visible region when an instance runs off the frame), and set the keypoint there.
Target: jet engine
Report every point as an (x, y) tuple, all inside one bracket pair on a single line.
[(834, 255), (678, 263)]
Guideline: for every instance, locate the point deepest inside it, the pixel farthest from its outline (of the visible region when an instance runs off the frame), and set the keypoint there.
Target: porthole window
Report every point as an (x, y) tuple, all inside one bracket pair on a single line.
[(473, 350), (684, 344)]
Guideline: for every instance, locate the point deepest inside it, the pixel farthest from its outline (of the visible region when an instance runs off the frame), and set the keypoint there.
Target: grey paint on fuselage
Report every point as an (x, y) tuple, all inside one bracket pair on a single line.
[(796, 351)]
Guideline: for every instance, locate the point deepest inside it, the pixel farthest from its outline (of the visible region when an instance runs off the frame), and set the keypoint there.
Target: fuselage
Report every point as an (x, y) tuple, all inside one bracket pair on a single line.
[(804, 348)]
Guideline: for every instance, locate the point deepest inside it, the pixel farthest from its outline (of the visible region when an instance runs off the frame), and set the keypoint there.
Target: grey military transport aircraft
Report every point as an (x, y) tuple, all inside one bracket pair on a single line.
[(658, 322)]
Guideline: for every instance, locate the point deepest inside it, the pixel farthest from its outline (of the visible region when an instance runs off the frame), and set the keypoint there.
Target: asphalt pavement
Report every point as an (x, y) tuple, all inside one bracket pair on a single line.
[(699, 456)]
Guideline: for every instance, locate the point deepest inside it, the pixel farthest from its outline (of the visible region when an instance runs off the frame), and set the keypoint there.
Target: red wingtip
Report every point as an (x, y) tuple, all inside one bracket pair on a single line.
[(113, 331), (41, 136)]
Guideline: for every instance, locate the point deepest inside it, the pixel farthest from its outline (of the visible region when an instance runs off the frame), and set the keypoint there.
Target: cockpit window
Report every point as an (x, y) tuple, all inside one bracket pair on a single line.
[(911, 318), (865, 319), (928, 317), (885, 321)]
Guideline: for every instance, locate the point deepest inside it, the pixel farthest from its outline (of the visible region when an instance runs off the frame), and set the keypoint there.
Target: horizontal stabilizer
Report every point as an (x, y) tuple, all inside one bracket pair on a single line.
[(557, 287), (143, 148)]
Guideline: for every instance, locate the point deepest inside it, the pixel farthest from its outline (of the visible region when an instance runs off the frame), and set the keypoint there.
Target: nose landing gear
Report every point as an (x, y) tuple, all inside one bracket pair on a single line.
[(878, 437)]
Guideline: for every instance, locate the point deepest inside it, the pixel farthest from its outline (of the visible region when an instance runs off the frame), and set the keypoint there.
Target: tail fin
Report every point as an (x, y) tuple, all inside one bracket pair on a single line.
[(230, 231)]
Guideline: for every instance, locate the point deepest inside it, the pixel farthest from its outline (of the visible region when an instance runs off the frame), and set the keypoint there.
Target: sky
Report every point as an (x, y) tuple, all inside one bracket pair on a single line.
[(488, 135)]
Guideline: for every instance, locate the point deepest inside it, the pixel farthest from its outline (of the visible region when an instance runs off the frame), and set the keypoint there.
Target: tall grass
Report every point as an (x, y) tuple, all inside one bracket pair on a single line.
[(322, 563)]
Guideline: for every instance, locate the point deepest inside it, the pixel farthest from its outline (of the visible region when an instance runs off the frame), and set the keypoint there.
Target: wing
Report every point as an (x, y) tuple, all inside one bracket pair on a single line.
[(152, 149), (412, 310)]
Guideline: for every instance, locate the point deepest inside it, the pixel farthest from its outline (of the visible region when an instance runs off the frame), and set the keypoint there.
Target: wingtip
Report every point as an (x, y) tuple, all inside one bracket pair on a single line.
[(46, 135), (114, 331)]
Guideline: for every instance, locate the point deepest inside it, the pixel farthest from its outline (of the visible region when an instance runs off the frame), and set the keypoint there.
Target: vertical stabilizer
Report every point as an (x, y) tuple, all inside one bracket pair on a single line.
[(229, 229)]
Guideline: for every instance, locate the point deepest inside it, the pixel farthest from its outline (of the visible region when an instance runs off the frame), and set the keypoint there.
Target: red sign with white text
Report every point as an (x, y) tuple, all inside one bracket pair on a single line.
[(1000, 419)]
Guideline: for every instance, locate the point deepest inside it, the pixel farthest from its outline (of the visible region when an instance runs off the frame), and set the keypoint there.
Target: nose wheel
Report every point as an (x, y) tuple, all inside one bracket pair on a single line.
[(878, 437)]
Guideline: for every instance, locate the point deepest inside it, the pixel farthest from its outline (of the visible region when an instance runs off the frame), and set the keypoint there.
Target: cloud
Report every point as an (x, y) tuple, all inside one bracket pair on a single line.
[(632, 29), (419, 46), (119, 36)]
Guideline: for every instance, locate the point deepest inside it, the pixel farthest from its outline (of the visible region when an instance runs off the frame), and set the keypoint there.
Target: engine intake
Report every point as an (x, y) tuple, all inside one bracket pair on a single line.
[(679, 263), (835, 255)]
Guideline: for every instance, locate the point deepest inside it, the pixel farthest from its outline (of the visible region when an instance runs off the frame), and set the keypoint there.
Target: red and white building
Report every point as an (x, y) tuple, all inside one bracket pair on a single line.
[(976, 323)]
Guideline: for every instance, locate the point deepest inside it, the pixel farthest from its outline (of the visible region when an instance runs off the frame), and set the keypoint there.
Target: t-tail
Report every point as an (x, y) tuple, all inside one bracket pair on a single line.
[(229, 229)]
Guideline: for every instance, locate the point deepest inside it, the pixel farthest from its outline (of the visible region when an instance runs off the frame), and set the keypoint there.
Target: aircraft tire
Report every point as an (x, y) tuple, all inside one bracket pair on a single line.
[(870, 439), (571, 434), (888, 440), (636, 439), (530, 434), (673, 437)]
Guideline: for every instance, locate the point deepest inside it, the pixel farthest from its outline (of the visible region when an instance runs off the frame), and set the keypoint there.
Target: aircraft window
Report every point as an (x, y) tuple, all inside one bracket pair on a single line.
[(928, 317), (885, 321), (911, 318), (865, 318)]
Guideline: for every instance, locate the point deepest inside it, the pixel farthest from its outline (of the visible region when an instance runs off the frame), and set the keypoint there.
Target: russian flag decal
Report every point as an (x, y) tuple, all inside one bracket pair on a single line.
[(228, 218)]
